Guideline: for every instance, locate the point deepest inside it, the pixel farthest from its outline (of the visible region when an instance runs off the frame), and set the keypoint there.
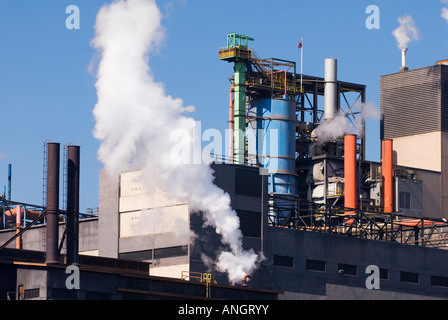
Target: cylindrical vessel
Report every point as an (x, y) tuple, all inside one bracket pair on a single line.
[(350, 181), (271, 143), (387, 163), (52, 252), (331, 90)]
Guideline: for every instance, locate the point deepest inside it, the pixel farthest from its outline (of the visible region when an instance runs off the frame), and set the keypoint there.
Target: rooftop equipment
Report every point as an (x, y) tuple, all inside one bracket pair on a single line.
[(403, 60)]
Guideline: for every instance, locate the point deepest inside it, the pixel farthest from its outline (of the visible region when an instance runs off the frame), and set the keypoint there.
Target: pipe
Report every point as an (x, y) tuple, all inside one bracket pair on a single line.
[(331, 89), (52, 252), (73, 166), (245, 278), (350, 188), (387, 164), (231, 125), (10, 214), (9, 181), (403, 60), (18, 227)]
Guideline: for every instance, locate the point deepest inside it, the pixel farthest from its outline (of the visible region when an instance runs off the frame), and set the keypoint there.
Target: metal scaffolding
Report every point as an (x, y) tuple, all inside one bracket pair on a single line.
[(369, 223)]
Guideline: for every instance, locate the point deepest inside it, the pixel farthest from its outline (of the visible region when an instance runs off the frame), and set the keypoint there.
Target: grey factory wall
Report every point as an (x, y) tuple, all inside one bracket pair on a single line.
[(35, 238), (307, 265), (108, 227)]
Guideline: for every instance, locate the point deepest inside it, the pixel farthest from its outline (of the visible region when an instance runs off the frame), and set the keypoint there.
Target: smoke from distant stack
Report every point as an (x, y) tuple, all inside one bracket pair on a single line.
[(404, 34)]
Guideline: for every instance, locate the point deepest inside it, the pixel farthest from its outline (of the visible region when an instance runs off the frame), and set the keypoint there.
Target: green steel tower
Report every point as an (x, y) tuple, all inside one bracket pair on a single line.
[(237, 51)]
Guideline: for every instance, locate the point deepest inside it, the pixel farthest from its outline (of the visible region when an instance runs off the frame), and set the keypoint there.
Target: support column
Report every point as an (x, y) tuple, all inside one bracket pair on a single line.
[(239, 128)]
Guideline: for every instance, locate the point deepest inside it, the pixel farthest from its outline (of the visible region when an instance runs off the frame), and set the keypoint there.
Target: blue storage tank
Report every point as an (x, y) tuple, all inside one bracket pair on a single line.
[(271, 134)]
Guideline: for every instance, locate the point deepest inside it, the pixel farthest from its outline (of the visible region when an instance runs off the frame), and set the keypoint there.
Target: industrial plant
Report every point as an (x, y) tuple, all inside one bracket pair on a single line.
[(308, 201)]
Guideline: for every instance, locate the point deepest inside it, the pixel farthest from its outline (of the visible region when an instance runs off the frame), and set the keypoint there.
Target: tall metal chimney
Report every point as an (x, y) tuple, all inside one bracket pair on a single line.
[(52, 252), (331, 89), (387, 164), (73, 167), (350, 181), (403, 61)]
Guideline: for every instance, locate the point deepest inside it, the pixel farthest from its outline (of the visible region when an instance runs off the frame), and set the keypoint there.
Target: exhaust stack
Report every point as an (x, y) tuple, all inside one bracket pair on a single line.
[(52, 252), (73, 165), (387, 162), (331, 89), (403, 61), (350, 181)]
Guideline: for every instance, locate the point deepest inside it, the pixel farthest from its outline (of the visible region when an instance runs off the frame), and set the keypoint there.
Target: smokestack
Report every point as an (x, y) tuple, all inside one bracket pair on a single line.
[(331, 89), (403, 60), (52, 252), (73, 166), (350, 188), (9, 181), (18, 226), (387, 158)]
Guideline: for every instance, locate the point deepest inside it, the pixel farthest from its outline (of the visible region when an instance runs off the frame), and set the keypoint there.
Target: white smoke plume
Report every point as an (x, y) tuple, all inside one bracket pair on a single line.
[(135, 120), (406, 32), (342, 124), (333, 129), (445, 14)]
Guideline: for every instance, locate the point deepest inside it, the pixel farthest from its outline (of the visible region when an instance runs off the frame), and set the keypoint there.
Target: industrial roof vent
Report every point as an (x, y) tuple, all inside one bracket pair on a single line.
[(403, 61)]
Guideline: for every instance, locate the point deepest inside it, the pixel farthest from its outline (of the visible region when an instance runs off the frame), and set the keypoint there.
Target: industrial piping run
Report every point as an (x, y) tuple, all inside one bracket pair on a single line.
[(52, 252)]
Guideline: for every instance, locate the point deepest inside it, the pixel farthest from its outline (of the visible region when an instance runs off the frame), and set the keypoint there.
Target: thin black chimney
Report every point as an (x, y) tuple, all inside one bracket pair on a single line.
[(52, 252), (73, 204)]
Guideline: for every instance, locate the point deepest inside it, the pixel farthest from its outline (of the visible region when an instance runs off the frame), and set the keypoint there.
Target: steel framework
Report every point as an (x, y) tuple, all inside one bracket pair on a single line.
[(368, 223)]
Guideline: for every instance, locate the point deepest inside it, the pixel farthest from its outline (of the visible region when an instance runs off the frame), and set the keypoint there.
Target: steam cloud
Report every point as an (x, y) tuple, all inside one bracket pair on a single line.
[(445, 14), (406, 32), (135, 119), (341, 125)]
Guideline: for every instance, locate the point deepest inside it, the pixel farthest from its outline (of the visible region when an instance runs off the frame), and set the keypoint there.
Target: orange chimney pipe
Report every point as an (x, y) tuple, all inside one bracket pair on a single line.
[(387, 156), (350, 188)]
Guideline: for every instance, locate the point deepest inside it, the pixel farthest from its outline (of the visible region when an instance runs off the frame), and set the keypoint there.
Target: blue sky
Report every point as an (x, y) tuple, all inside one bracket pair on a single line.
[(47, 91)]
